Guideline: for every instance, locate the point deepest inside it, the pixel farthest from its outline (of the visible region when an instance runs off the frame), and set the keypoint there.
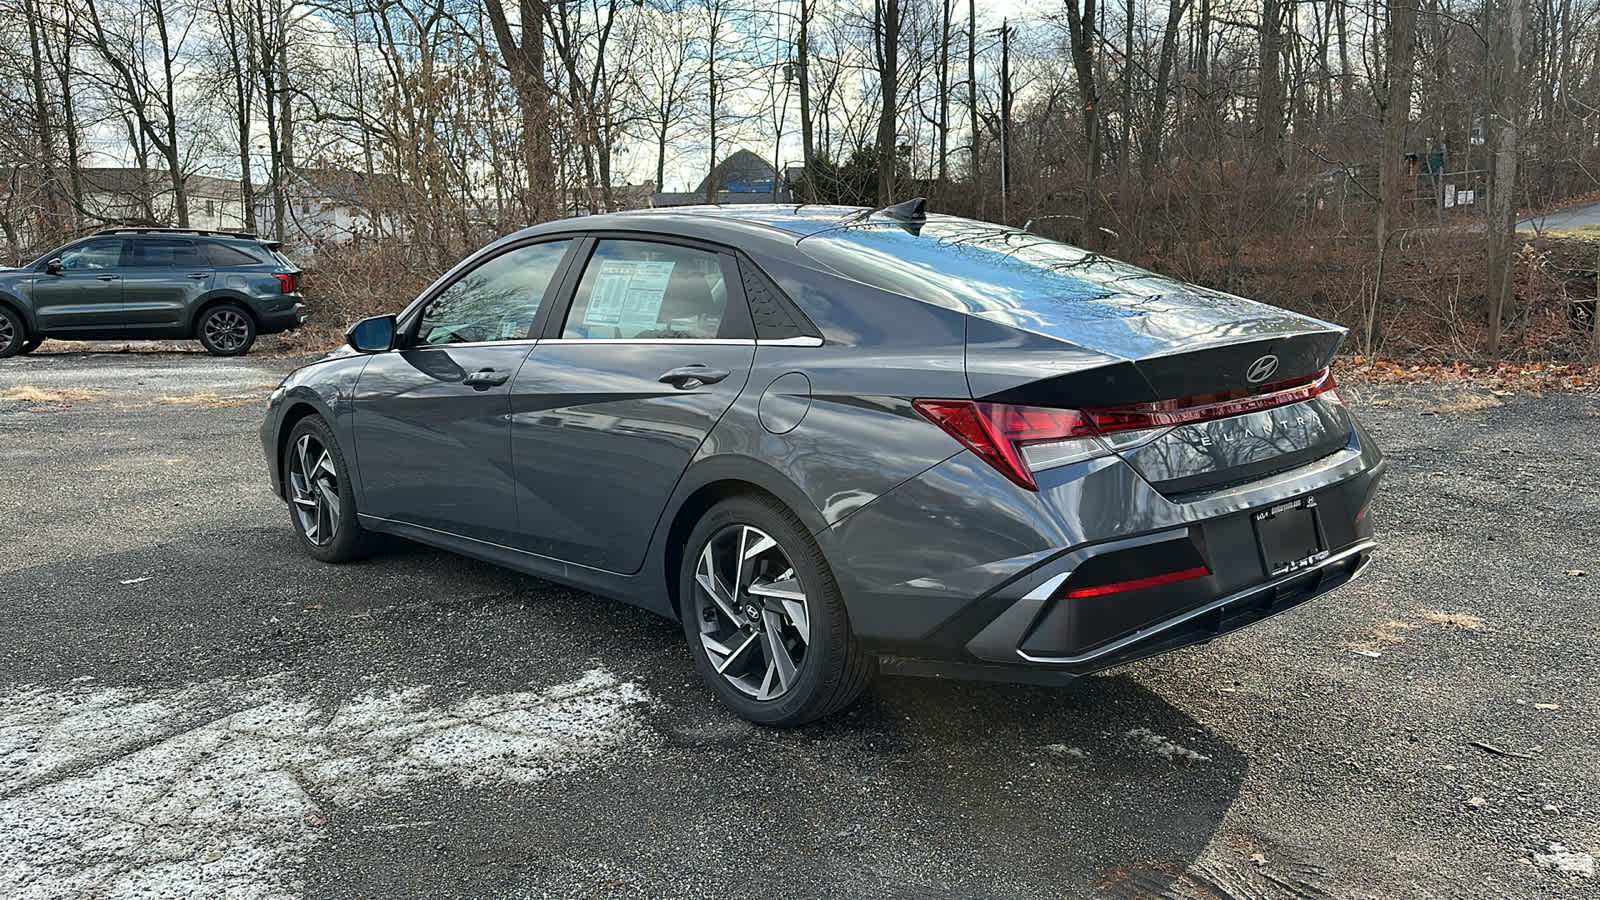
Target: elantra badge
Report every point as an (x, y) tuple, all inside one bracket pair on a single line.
[(1261, 369)]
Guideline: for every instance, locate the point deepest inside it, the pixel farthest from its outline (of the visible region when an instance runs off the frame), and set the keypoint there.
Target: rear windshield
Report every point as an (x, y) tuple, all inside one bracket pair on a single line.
[(975, 266)]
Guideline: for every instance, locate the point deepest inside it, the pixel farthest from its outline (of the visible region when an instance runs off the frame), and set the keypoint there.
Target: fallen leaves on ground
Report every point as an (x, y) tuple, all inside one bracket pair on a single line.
[(1535, 378)]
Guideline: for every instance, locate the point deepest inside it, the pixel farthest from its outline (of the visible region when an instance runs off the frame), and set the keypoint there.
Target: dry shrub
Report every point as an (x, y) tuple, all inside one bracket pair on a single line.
[(350, 281)]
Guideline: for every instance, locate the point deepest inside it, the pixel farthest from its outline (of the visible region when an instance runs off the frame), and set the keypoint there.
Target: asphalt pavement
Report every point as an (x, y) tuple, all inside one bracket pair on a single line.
[(190, 707)]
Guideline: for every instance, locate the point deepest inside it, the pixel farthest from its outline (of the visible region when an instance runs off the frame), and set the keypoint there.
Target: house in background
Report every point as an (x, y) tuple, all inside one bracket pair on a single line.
[(742, 177), (332, 206)]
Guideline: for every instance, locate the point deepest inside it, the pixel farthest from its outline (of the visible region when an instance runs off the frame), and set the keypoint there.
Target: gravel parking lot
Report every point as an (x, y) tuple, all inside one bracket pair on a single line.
[(192, 708)]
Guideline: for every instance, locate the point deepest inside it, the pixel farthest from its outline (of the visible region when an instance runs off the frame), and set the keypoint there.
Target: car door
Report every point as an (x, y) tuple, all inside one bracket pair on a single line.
[(162, 279), (432, 417), (655, 345), (84, 293)]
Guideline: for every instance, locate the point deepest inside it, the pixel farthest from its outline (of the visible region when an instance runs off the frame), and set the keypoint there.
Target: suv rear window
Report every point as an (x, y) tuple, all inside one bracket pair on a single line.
[(223, 255)]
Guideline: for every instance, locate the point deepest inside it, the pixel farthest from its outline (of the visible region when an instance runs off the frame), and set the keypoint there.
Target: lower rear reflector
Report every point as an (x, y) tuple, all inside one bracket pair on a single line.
[(1136, 584)]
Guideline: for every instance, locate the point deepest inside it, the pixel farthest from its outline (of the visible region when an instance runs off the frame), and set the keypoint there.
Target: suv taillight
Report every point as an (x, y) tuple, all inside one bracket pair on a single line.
[(289, 283)]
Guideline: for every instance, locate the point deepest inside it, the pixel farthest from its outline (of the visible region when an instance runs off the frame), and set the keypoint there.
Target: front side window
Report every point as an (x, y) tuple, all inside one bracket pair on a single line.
[(90, 256), (644, 290), (496, 301), (165, 253)]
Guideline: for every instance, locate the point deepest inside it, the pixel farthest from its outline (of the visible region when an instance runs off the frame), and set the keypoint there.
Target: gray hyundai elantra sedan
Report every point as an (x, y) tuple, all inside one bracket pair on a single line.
[(832, 441)]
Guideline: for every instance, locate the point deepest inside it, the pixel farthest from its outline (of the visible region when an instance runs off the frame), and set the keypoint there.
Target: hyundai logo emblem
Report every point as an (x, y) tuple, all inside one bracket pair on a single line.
[(1261, 369)]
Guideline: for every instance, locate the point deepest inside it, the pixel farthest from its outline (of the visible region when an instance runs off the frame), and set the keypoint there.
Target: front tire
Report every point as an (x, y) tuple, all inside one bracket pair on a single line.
[(764, 618), (226, 330), (30, 346), (322, 504), (13, 334)]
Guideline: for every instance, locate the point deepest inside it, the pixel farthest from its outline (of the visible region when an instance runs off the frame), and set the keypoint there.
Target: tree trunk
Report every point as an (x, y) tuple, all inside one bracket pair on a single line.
[(972, 103), (888, 33), (1269, 107), (1082, 28), (1400, 53), (1506, 96)]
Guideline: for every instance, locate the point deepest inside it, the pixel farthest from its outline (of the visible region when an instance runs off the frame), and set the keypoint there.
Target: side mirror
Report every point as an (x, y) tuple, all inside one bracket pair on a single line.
[(372, 335), (53, 267)]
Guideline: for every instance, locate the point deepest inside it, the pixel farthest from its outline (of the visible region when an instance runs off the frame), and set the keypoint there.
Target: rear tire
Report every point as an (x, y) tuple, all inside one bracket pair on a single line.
[(322, 504), (226, 329), (13, 334), (754, 590)]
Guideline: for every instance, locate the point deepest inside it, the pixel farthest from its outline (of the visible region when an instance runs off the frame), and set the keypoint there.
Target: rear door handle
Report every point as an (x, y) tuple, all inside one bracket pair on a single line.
[(688, 377), (198, 275), (483, 379), (106, 277)]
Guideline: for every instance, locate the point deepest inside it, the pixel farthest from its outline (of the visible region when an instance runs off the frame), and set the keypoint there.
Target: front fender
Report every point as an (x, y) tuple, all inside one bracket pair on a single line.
[(325, 388)]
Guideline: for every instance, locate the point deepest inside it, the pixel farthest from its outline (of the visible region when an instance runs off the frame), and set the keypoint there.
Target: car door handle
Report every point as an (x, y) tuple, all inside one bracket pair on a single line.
[(483, 379), (106, 277), (688, 377), (198, 275)]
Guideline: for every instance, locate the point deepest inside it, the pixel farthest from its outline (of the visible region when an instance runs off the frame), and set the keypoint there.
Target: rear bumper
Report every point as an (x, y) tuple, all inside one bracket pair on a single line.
[(993, 595), (282, 320)]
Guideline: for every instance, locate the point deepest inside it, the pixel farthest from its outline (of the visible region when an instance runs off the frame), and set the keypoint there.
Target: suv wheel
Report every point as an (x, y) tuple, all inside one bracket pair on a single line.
[(227, 330), (13, 334), (764, 619)]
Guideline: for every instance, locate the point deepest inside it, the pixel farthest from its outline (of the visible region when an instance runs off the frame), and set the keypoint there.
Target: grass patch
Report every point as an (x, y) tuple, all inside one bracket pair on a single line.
[(1461, 620), (30, 394)]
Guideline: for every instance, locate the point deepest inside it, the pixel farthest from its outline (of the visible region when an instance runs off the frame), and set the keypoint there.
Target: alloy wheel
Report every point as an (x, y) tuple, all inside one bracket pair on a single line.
[(314, 484), (227, 330), (8, 333), (754, 621)]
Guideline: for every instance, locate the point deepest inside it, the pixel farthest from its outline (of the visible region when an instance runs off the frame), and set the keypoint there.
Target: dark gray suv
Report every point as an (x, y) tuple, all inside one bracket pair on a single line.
[(222, 288)]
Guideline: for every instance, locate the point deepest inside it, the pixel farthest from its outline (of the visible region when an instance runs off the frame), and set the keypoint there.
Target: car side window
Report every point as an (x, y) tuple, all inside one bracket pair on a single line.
[(495, 301), (93, 255), (645, 290), (164, 253), (223, 255)]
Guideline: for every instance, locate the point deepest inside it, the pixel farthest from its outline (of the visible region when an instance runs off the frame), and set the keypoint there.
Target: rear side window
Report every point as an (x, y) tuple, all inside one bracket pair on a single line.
[(644, 290), (164, 253), (223, 255), (496, 301)]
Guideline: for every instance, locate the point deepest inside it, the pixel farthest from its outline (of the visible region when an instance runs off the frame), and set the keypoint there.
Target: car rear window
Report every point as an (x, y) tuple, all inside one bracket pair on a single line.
[(223, 255), (970, 266)]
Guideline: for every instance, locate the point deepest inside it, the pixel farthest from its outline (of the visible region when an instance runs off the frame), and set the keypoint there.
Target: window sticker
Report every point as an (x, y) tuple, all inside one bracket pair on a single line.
[(628, 295)]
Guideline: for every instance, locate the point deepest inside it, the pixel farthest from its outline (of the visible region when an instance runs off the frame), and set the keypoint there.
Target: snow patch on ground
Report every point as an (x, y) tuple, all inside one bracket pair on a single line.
[(1161, 746), (1568, 862), (218, 789)]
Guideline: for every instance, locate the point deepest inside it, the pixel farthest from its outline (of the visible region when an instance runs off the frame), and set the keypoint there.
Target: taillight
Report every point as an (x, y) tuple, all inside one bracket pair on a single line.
[(288, 283), (1016, 440), (1206, 407), (1004, 435)]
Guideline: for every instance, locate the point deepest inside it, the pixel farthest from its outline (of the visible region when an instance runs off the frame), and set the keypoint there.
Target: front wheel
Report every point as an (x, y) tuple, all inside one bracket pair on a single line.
[(322, 504), (764, 618), (13, 334), (227, 330)]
